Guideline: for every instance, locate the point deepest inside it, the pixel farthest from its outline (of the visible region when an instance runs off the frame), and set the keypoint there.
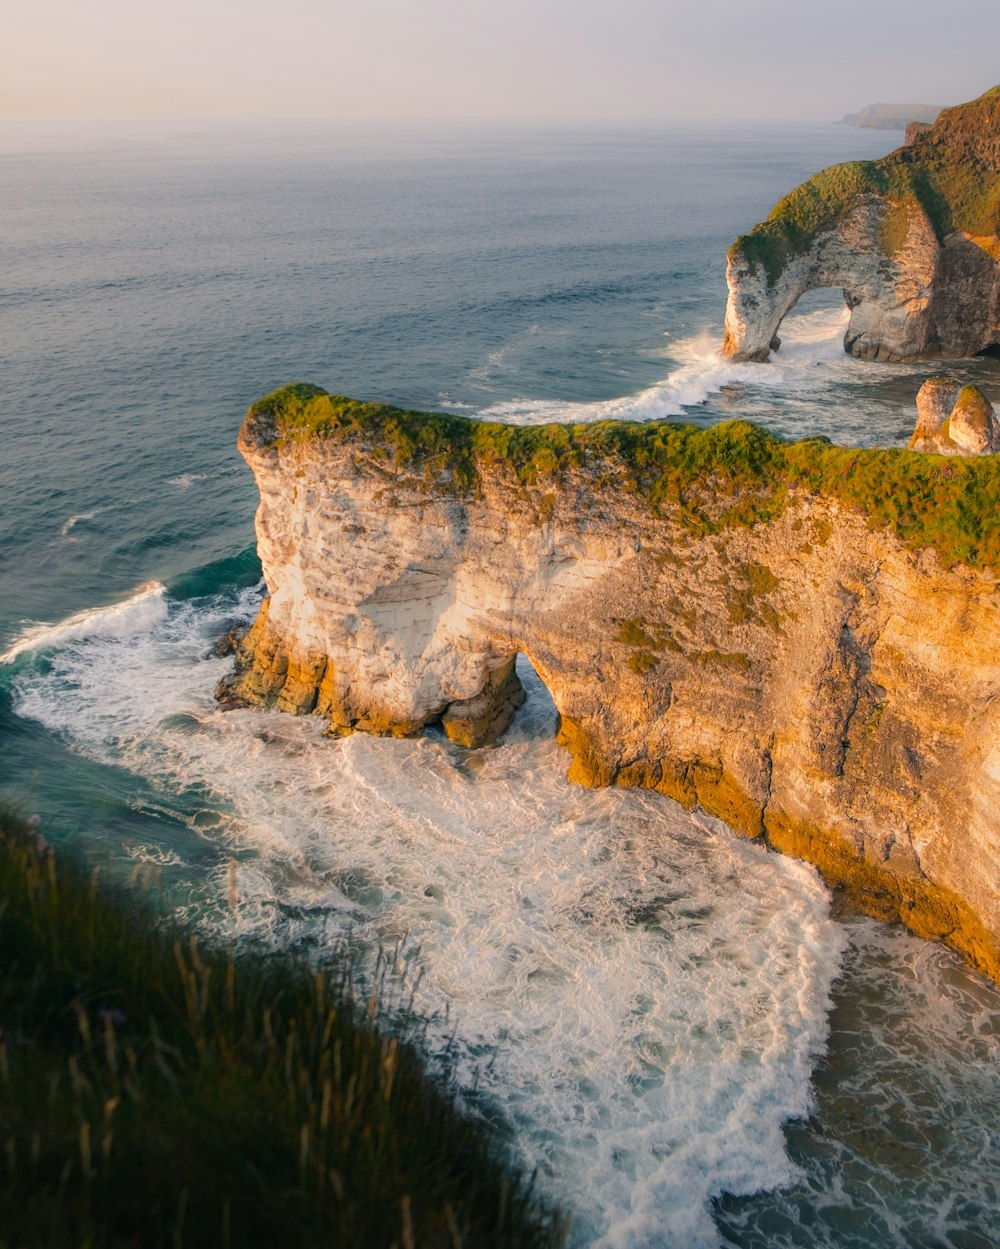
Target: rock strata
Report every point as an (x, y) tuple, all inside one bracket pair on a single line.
[(953, 419), (913, 240), (799, 638)]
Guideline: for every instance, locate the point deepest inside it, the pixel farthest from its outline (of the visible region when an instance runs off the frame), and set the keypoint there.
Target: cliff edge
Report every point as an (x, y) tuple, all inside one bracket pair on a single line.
[(913, 240), (797, 637)]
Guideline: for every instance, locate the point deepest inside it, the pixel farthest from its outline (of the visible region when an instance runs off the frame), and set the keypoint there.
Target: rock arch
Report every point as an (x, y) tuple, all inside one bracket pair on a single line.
[(890, 293), (707, 627), (913, 239)]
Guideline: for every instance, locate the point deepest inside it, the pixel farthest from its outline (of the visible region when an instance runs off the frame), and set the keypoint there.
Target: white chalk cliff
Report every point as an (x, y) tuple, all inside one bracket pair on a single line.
[(800, 638)]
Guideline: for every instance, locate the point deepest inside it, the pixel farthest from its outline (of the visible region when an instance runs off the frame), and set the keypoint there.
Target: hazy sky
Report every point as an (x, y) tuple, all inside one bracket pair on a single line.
[(549, 60)]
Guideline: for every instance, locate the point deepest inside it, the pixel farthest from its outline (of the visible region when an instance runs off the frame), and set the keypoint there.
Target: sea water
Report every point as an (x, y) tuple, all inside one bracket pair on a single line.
[(667, 1022)]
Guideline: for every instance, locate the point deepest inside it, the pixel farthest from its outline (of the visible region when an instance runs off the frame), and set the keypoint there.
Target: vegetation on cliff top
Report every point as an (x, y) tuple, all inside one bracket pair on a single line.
[(156, 1093), (728, 474), (941, 175)]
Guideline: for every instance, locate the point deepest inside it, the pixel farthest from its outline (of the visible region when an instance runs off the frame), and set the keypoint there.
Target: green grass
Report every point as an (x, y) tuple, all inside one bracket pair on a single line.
[(157, 1093), (956, 191), (708, 480)]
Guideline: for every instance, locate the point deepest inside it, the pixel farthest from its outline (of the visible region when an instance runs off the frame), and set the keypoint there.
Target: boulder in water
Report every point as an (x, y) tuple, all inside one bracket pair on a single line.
[(953, 419)]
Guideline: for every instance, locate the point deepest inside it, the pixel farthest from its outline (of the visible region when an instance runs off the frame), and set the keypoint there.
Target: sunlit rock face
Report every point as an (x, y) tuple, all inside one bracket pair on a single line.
[(953, 419), (913, 240), (716, 615)]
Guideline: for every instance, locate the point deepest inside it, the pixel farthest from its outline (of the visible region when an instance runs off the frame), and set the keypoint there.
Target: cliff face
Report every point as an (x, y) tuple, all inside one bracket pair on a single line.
[(715, 613), (913, 240)]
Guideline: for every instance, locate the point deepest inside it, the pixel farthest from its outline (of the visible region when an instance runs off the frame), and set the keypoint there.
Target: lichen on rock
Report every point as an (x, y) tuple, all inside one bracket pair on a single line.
[(913, 240)]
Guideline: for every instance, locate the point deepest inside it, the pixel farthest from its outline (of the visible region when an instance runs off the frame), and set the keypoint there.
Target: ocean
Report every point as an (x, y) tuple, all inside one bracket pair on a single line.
[(683, 1035)]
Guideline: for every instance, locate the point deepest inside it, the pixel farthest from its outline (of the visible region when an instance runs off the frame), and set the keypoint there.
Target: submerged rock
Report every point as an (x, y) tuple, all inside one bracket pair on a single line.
[(953, 419), (755, 627), (912, 239)]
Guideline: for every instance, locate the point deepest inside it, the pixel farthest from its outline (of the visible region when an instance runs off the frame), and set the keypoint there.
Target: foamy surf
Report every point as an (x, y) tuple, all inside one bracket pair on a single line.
[(141, 611), (184, 481), (638, 993), (811, 355), (67, 527)]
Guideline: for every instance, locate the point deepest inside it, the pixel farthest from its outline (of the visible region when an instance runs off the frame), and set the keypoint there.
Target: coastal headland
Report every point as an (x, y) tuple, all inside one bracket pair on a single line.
[(913, 240), (799, 638)]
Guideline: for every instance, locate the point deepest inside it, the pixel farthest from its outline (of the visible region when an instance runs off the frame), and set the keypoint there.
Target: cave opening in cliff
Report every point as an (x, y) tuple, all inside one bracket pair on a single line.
[(817, 317), (538, 717)]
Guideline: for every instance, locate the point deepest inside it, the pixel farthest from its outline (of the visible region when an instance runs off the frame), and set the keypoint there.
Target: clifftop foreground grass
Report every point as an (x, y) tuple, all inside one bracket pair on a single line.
[(729, 474), (155, 1094)]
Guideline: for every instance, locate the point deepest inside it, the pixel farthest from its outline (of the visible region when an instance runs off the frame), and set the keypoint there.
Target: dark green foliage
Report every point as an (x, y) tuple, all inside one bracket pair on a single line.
[(707, 479), (154, 1093)]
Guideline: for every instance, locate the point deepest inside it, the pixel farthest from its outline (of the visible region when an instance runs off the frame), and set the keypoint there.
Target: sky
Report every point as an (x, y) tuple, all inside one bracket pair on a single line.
[(561, 61)]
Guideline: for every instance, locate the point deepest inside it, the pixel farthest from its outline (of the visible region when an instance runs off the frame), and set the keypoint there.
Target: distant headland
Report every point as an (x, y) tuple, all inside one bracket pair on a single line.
[(891, 116)]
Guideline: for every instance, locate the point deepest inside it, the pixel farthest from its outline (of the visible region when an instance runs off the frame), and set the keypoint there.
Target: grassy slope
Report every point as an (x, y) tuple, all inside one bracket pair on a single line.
[(956, 191), (153, 1093), (729, 474)]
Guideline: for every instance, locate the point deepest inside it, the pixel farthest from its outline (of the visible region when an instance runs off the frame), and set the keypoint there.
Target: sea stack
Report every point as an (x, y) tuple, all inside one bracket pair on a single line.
[(953, 419), (913, 240), (799, 638)]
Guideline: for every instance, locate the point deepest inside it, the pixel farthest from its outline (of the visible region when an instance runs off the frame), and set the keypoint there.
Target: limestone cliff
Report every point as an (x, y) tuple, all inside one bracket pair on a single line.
[(913, 240), (798, 637)]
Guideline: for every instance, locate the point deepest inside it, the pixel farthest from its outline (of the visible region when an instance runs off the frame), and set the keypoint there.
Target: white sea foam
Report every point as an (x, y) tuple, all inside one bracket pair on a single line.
[(639, 992), (811, 353), (69, 525), (141, 611), (908, 1110), (184, 481)]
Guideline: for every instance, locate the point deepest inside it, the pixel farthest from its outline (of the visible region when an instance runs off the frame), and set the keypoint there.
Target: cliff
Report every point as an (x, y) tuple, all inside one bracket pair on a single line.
[(797, 637), (912, 239)]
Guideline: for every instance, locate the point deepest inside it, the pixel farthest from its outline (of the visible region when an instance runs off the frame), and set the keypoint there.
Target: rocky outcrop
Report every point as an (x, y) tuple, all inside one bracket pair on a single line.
[(799, 638), (915, 131), (953, 419), (913, 240)]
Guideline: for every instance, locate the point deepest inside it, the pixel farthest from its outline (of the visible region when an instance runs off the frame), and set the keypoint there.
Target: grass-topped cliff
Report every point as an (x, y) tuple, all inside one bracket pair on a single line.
[(953, 173), (156, 1093), (729, 474)]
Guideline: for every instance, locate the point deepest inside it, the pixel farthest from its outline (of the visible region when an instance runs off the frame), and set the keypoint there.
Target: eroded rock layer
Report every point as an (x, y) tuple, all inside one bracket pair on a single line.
[(799, 638), (913, 240)]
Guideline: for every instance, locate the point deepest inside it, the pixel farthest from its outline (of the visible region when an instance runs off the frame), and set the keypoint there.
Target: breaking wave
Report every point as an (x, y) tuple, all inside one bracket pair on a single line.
[(811, 354), (141, 611), (637, 993)]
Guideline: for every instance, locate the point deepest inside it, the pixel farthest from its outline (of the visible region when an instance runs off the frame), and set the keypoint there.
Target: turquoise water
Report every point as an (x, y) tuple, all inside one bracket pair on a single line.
[(669, 1024)]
